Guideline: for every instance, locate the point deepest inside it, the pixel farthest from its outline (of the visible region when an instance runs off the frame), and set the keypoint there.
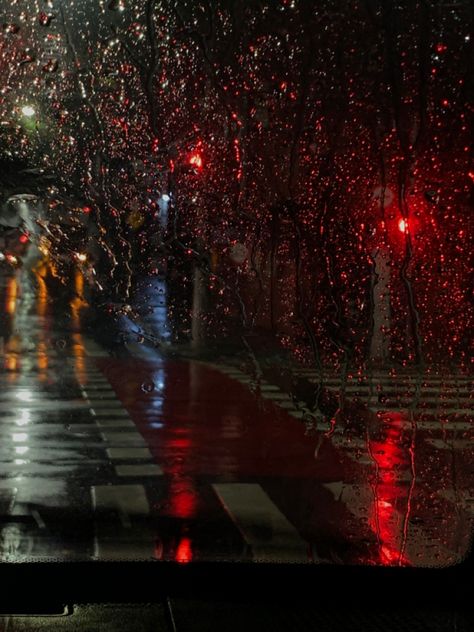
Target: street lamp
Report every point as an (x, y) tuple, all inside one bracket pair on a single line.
[(28, 110)]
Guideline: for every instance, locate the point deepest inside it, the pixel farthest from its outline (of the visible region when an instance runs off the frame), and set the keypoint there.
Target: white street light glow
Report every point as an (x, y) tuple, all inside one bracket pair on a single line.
[(28, 110)]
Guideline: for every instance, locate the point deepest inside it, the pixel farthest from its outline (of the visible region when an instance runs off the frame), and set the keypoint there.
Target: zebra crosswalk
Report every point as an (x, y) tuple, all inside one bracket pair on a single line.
[(441, 416)]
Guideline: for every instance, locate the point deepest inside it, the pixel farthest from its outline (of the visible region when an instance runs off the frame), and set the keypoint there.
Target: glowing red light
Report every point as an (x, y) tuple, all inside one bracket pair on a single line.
[(403, 226), (24, 239), (86, 209), (184, 552), (195, 160)]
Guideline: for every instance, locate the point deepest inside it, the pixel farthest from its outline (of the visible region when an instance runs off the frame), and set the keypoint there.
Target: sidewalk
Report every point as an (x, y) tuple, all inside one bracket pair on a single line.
[(145, 320)]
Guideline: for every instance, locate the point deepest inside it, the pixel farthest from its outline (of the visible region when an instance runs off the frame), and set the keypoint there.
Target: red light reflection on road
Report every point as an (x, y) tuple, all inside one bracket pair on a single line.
[(389, 493), (182, 500), (184, 553), (182, 495)]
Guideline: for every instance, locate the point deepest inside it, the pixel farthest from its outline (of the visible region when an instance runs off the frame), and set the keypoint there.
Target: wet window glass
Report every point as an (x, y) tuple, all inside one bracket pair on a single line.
[(236, 281)]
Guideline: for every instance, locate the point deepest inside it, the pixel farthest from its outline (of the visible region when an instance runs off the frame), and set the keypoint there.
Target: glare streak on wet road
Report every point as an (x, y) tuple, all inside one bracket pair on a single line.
[(143, 457)]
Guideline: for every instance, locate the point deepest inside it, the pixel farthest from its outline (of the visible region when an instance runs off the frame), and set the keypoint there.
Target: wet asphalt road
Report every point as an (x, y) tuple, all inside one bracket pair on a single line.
[(138, 456)]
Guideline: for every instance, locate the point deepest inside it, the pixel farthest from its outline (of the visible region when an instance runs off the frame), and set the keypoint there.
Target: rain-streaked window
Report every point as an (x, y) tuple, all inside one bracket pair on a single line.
[(236, 280)]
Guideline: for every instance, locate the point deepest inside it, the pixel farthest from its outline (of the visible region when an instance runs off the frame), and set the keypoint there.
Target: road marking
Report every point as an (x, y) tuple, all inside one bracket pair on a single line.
[(264, 528), (287, 405), (453, 425), (102, 396), (378, 375), (104, 387), (123, 438), (107, 404), (121, 454), (115, 412), (228, 370), (38, 519), (438, 412), (299, 415), (141, 469), (348, 443), (403, 388), (368, 505), (130, 500), (450, 444), (51, 405), (115, 423), (276, 396), (463, 498), (422, 403), (130, 541), (93, 349)]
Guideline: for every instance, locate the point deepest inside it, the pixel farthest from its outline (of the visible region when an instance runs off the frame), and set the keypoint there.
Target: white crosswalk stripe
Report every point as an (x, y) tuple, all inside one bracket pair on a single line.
[(122, 538), (264, 528)]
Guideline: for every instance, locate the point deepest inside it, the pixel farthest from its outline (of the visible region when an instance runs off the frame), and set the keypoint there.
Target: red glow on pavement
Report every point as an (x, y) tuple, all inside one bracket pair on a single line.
[(389, 556), (182, 498), (389, 494), (184, 553)]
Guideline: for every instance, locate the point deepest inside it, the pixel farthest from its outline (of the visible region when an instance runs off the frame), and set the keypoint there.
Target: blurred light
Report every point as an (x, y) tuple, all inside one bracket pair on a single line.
[(19, 437), (28, 110), (195, 160), (24, 239), (21, 449), (24, 396), (81, 257), (24, 417), (403, 226), (184, 552), (165, 197)]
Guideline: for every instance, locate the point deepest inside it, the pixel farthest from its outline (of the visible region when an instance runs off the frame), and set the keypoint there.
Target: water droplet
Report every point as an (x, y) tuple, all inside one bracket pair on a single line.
[(11, 28), (117, 5), (44, 18), (51, 66)]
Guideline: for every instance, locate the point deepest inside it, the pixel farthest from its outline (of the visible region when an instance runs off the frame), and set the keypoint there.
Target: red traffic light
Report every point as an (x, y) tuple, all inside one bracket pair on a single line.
[(195, 159)]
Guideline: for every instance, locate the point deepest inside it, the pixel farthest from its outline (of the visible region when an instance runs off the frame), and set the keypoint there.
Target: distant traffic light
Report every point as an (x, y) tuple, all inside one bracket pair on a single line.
[(195, 160)]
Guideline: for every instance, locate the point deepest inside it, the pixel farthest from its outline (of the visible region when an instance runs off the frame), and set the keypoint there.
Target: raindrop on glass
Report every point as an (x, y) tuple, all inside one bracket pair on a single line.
[(11, 28), (116, 5), (44, 18), (148, 387)]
